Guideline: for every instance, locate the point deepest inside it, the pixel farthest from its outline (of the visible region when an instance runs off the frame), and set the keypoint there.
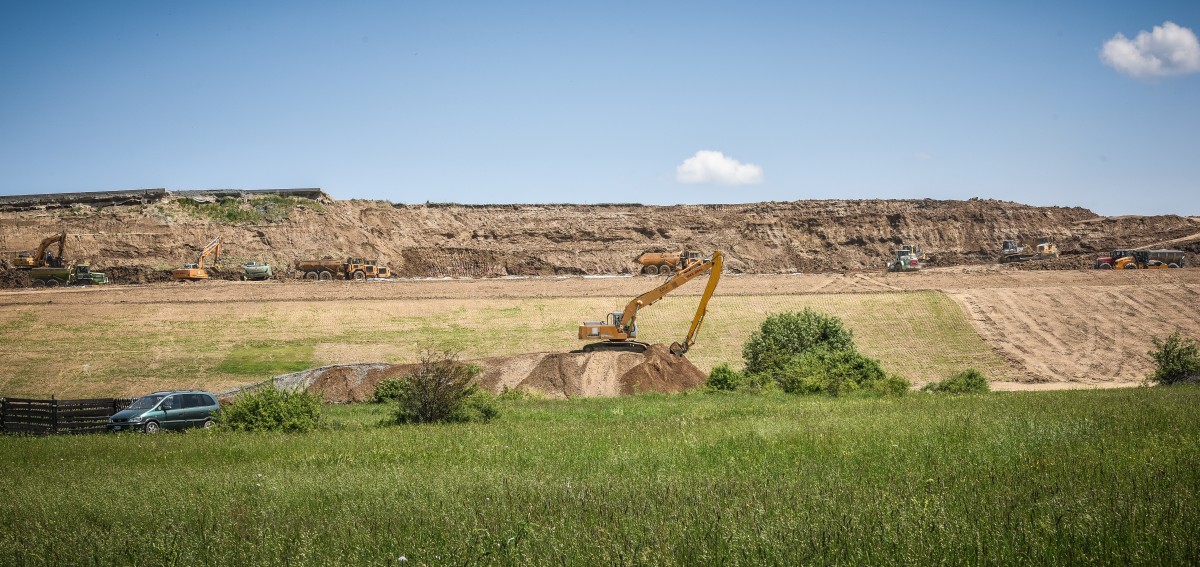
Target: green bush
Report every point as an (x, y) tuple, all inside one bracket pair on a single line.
[(442, 390), (388, 390), (1177, 359), (833, 372), (892, 385), (724, 378), (784, 335), (269, 409), (969, 381)]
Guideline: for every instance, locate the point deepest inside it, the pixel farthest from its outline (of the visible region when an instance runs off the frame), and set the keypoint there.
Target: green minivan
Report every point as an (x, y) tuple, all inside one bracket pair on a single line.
[(177, 409)]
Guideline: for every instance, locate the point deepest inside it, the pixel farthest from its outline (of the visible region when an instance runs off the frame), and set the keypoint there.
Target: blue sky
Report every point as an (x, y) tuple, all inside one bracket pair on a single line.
[(646, 102)]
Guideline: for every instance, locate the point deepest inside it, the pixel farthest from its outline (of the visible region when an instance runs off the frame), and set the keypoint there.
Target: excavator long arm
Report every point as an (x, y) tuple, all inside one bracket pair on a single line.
[(622, 326), (629, 317), (60, 238), (213, 246), (717, 265)]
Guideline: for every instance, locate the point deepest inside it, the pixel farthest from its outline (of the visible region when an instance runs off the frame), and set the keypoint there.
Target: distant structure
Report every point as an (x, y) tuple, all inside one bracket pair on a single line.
[(142, 197)]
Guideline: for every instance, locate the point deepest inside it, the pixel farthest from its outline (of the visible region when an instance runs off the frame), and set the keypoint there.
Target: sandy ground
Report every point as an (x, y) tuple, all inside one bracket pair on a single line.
[(1058, 329)]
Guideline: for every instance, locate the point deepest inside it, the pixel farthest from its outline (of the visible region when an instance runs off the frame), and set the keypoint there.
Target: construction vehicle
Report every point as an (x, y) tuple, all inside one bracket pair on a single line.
[(1106, 262), (915, 251), (43, 257), (196, 272), (654, 263), (906, 260), (358, 269), (80, 274), (255, 271), (620, 327), (1011, 252), (1151, 260)]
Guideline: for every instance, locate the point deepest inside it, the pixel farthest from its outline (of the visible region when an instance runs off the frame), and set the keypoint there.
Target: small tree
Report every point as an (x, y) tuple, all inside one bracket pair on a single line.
[(442, 390), (1178, 360), (269, 409), (784, 335)]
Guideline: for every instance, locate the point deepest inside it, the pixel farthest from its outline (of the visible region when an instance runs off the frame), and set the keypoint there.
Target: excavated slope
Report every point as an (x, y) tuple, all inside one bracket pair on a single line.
[(139, 243)]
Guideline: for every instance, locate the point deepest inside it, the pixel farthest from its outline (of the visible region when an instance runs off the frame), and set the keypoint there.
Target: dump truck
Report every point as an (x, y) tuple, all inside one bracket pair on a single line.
[(1151, 260), (654, 263), (619, 328), (80, 274), (358, 269), (1106, 262), (905, 260), (254, 271)]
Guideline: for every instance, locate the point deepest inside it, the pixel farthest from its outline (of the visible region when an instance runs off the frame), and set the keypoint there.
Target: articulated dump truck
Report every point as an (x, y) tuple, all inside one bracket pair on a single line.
[(358, 269)]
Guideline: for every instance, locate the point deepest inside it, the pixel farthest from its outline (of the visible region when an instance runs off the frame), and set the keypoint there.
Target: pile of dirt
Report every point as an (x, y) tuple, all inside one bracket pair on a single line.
[(550, 375), (449, 240)]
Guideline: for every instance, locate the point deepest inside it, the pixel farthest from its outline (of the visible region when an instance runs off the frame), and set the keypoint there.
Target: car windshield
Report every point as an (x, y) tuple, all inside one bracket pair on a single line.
[(146, 402)]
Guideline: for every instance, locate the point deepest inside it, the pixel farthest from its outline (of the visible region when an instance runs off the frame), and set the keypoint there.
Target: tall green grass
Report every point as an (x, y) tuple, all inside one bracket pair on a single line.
[(1082, 477)]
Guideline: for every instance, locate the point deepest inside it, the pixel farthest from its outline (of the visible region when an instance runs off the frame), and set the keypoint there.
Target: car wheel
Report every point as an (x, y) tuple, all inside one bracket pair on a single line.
[(310, 275), (151, 427), (209, 424), (650, 270), (326, 276), (1131, 266), (1173, 266), (360, 276), (1105, 266)]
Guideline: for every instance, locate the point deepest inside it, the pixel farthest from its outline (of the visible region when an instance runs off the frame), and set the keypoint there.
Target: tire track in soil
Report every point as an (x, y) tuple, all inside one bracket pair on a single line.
[(1090, 335)]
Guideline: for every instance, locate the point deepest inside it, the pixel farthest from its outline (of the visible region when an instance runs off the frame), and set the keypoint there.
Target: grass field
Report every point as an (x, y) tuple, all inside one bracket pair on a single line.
[(1081, 477), (126, 350)]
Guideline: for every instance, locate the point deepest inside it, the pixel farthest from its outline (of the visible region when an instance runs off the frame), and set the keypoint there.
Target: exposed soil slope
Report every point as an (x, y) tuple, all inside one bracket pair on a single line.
[(138, 243)]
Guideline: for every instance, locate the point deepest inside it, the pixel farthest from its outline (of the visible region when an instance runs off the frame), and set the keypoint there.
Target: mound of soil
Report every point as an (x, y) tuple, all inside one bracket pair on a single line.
[(551, 375)]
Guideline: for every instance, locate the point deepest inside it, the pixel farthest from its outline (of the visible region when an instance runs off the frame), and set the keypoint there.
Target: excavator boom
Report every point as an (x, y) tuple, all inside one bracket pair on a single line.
[(622, 326)]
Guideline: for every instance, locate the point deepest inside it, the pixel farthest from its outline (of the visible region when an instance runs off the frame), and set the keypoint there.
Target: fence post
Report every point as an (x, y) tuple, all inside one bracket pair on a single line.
[(54, 414)]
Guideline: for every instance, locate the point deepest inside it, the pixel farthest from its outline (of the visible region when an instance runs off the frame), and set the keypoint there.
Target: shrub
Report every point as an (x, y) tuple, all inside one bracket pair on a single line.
[(784, 335), (442, 390), (1178, 360), (388, 390), (724, 378), (969, 381), (892, 385), (834, 372), (269, 409)]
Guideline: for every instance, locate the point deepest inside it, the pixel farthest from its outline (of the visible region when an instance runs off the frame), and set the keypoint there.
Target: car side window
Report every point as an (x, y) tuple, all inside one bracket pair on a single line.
[(208, 400), (170, 402)]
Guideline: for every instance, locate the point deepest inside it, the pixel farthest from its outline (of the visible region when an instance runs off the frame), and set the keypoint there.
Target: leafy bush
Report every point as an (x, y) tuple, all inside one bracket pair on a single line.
[(269, 409), (269, 208), (724, 378), (388, 390), (442, 390), (892, 385), (1178, 360), (833, 372), (969, 381), (784, 335)]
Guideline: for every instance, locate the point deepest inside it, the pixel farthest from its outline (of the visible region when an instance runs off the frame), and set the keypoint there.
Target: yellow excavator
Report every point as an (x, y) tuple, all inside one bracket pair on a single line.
[(620, 327), (43, 258), (196, 272)]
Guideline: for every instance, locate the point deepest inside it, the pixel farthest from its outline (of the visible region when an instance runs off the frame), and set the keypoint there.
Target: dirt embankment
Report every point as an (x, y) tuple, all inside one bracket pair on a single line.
[(141, 243), (551, 375)]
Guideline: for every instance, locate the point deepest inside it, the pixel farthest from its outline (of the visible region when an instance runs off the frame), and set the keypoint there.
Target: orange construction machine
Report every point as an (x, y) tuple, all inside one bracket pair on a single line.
[(620, 327), (196, 271)]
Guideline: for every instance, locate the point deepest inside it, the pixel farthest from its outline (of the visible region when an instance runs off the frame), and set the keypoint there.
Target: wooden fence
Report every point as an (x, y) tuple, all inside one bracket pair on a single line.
[(42, 417)]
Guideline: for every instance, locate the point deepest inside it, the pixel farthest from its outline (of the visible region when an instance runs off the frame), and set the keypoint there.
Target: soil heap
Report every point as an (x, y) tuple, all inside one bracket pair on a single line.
[(550, 375)]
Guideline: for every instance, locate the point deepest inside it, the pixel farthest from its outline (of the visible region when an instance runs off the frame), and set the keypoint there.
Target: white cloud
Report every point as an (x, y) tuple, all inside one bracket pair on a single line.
[(715, 167), (1169, 49)]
